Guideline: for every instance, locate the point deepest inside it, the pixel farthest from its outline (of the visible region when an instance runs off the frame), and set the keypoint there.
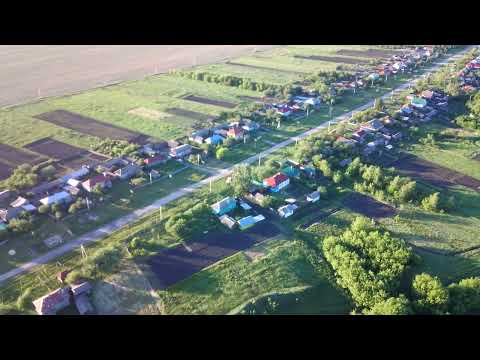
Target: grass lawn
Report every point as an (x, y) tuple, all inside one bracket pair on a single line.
[(453, 231), (233, 281), (455, 153)]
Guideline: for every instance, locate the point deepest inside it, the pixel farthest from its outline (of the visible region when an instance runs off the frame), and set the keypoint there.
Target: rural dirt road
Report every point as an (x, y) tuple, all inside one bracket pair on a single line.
[(105, 230), (29, 72)]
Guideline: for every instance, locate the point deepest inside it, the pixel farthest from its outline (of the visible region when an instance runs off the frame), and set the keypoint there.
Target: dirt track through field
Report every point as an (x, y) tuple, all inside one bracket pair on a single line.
[(30, 72)]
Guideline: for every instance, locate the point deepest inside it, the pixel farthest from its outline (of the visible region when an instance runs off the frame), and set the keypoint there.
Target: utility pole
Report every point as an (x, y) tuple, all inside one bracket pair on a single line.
[(88, 204), (210, 186), (150, 173), (161, 214), (259, 157), (198, 159), (84, 253)]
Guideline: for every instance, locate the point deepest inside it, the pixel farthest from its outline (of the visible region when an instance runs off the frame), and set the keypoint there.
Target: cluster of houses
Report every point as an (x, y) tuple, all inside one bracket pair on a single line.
[(224, 209), (296, 105), (469, 77), (381, 133), (61, 298), (237, 130), (393, 65), (85, 180)]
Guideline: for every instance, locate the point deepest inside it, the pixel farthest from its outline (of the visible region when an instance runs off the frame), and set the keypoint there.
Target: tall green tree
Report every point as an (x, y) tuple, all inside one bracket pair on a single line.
[(430, 296)]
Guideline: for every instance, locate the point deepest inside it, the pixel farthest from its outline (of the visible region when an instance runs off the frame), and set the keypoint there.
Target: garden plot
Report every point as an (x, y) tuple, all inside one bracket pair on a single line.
[(149, 113), (180, 262), (370, 53), (89, 126), (13, 156), (5, 171), (335, 59), (368, 206), (434, 174), (89, 158), (191, 114), (55, 149), (204, 100)]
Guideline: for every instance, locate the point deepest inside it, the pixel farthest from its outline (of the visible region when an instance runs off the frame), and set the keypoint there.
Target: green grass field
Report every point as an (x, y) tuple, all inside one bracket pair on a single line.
[(455, 153), (235, 280)]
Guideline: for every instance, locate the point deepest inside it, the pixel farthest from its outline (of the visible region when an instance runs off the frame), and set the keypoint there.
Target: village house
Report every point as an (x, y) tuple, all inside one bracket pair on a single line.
[(224, 206), (101, 179), (418, 102), (181, 151), (128, 171), (53, 302), (112, 165), (155, 160), (61, 197), (82, 288), (250, 126), (287, 210), (313, 197), (215, 139), (236, 132), (359, 135), (83, 171), (276, 182), (372, 125), (74, 182)]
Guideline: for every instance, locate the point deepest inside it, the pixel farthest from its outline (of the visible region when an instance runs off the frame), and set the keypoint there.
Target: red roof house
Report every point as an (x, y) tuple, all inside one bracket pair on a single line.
[(53, 302), (155, 160), (102, 180), (277, 182), (235, 132)]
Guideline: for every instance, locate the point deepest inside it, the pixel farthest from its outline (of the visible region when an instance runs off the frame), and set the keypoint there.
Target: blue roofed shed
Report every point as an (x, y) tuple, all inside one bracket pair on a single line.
[(246, 222)]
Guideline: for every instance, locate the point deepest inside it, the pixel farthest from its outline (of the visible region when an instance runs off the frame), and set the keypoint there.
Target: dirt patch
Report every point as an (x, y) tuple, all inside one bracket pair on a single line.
[(266, 68), (15, 157), (89, 126), (190, 114), (55, 149), (203, 100), (434, 174), (334, 59), (368, 206), (90, 159), (127, 292), (179, 263), (148, 113), (5, 171), (370, 53)]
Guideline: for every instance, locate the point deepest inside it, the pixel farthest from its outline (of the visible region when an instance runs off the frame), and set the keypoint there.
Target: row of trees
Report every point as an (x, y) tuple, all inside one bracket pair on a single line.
[(471, 120), (230, 80)]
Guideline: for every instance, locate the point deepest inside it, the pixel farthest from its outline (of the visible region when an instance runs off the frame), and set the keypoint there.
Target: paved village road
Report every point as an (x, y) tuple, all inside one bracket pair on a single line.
[(105, 230)]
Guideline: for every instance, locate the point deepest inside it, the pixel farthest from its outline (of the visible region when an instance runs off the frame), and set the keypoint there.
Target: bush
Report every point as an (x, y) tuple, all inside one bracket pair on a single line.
[(20, 225), (220, 153), (43, 209), (431, 202), (22, 177), (138, 181), (323, 192)]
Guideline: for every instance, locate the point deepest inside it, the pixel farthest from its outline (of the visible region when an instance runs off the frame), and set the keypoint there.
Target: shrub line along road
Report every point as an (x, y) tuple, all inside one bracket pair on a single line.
[(107, 229)]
